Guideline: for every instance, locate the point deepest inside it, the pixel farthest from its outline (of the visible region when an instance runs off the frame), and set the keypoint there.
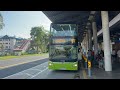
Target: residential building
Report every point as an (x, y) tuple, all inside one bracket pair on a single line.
[(21, 47), (12, 45), (7, 43)]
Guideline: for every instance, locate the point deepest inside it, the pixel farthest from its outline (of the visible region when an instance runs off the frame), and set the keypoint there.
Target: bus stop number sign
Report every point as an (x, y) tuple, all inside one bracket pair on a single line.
[(89, 64)]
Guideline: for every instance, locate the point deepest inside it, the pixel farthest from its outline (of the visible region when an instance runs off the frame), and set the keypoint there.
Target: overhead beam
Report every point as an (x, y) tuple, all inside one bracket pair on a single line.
[(92, 12), (111, 23), (66, 14), (74, 16)]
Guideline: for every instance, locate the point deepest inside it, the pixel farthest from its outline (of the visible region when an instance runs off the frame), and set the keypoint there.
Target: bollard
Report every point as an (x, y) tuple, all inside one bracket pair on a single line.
[(85, 63), (89, 68)]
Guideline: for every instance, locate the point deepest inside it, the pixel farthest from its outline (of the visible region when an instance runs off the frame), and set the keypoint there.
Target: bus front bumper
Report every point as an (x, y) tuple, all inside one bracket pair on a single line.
[(63, 65)]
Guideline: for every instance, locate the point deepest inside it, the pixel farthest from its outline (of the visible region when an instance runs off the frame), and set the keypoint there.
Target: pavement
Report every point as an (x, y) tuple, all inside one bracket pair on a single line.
[(98, 73), (102, 74), (17, 61), (41, 71), (18, 68)]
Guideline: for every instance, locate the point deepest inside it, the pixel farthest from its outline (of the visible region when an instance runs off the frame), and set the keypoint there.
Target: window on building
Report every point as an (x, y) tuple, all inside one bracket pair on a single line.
[(6, 43), (6, 46)]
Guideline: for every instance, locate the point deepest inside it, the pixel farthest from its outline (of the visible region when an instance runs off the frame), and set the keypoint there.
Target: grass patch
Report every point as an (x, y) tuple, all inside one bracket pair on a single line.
[(10, 57)]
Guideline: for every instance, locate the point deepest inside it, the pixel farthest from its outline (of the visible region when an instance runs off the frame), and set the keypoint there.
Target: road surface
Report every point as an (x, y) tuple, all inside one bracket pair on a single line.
[(35, 67), (42, 72), (20, 67)]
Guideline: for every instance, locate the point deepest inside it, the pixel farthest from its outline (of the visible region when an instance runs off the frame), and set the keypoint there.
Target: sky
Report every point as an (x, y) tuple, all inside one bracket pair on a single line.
[(19, 23)]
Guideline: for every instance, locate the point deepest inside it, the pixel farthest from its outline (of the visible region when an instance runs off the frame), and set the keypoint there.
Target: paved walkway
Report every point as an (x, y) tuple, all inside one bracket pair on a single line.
[(18, 61), (102, 74)]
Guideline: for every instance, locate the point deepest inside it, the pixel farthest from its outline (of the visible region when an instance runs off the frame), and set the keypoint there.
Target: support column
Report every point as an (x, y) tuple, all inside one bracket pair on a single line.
[(94, 27), (90, 39), (106, 40), (84, 44), (87, 43)]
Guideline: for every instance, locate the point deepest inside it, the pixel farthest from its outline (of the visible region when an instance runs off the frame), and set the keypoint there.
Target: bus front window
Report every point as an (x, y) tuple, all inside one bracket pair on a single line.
[(66, 30), (63, 42), (68, 53)]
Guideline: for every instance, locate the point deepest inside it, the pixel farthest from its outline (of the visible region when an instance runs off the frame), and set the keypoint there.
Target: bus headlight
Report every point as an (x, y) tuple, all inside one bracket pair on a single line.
[(75, 65), (50, 64)]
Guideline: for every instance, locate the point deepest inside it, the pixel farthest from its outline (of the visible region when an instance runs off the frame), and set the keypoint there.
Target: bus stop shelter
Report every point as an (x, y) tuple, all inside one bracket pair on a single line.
[(93, 26)]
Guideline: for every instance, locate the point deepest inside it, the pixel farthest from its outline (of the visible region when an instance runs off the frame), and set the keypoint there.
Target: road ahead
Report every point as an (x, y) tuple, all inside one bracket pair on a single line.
[(42, 72), (18, 68), (38, 69)]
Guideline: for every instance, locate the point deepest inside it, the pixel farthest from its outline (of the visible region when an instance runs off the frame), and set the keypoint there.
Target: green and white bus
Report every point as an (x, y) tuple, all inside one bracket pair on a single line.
[(63, 47)]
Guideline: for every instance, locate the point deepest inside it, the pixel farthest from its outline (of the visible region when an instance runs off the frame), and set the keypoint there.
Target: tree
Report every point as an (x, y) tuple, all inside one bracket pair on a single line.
[(1, 22), (1, 49), (39, 38), (1, 27)]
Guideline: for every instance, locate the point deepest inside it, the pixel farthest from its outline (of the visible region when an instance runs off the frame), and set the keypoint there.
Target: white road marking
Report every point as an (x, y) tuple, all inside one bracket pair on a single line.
[(38, 73), (26, 70), (28, 74), (18, 74), (35, 69)]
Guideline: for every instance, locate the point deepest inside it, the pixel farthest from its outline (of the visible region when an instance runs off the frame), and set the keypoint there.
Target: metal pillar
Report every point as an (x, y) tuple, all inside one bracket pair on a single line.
[(94, 27), (84, 44), (106, 40), (89, 39), (87, 42), (90, 48)]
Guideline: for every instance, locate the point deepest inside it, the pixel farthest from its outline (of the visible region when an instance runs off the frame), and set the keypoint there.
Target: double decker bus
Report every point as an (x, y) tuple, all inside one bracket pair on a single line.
[(63, 47)]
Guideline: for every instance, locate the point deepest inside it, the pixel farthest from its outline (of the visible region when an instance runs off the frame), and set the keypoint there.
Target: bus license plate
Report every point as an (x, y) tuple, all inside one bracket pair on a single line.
[(62, 68)]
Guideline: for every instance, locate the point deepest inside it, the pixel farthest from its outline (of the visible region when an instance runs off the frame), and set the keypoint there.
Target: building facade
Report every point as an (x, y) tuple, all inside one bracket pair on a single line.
[(7, 43), (12, 45)]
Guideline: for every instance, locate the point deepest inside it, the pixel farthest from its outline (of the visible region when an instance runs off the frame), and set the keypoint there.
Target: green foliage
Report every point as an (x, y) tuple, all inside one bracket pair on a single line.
[(1, 22), (40, 39)]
